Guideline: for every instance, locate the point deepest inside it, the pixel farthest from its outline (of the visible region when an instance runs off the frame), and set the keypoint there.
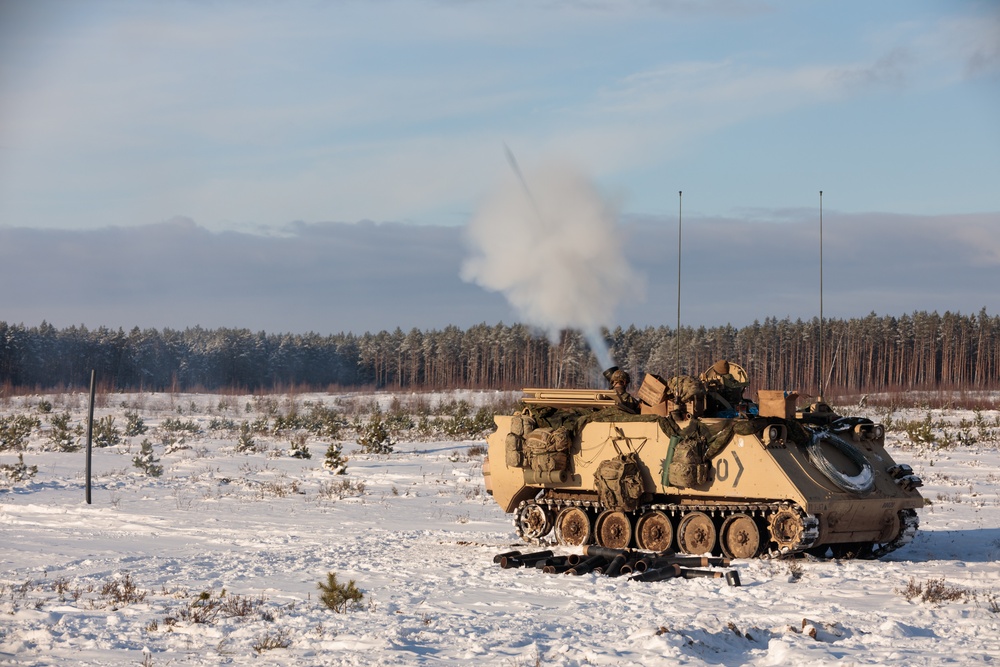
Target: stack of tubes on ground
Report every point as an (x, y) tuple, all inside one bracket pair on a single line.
[(637, 565)]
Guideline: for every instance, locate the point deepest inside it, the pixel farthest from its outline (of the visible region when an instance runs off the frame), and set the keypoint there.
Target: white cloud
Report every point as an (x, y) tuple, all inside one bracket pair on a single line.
[(240, 113), (974, 41), (328, 277)]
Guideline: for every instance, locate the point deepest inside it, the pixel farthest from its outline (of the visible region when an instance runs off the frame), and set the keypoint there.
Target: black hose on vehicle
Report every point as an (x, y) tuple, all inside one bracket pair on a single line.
[(862, 482)]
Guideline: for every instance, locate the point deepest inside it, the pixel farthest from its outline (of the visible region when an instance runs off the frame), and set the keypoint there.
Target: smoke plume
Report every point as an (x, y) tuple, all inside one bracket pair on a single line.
[(551, 244)]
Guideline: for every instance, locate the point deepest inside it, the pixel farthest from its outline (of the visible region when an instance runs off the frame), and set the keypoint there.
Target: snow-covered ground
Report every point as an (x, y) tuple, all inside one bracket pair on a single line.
[(218, 561)]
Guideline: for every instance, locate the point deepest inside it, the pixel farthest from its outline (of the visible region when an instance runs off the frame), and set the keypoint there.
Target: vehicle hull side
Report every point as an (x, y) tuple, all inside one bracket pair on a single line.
[(744, 470)]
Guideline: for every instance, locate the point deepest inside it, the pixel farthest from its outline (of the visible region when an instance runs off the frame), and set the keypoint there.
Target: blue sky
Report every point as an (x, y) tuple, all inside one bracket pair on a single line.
[(270, 118)]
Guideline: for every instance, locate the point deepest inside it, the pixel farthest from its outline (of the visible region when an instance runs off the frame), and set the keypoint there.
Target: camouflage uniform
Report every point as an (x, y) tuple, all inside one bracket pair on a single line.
[(625, 401), (724, 384)]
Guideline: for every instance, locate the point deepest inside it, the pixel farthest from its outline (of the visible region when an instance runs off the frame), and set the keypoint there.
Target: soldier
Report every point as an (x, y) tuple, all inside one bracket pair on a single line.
[(724, 385), (625, 401)]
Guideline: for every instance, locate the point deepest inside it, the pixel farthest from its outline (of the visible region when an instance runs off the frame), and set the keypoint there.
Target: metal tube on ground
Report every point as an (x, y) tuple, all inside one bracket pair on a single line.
[(691, 561), (527, 559), (634, 564), (614, 568), (508, 554), (659, 574), (642, 564), (689, 573), (523, 560), (588, 565), (556, 569), (663, 553), (607, 552), (732, 577), (551, 560)]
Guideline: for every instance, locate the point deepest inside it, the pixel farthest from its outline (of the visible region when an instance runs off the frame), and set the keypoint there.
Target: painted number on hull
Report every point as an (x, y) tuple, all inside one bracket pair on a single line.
[(722, 469)]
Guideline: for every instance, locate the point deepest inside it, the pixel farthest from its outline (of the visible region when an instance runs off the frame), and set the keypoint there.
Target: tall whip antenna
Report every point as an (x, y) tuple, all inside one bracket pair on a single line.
[(821, 295), (680, 202)]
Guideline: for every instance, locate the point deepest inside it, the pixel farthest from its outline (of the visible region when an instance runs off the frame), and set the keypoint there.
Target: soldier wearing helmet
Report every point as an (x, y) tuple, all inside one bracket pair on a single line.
[(619, 381), (724, 387)]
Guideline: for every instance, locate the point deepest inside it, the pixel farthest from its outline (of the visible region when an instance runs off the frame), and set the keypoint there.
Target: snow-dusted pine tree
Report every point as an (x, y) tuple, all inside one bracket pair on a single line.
[(146, 460), (335, 461)]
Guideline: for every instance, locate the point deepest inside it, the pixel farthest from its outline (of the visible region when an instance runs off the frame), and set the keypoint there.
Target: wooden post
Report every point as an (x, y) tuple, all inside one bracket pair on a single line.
[(90, 430)]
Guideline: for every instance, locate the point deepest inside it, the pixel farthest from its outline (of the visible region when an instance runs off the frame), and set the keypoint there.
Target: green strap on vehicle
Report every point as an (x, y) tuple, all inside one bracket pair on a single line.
[(665, 474)]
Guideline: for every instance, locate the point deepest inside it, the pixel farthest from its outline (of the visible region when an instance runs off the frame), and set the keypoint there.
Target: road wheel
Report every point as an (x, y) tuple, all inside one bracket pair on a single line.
[(696, 533), (740, 537), (654, 532), (573, 527), (534, 522), (613, 529)]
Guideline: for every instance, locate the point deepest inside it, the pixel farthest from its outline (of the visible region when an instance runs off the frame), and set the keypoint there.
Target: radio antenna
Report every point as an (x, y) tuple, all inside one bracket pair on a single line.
[(821, 295), (680, 201)]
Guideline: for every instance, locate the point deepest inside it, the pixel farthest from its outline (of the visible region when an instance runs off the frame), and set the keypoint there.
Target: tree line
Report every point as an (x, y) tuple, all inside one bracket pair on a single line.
[(874, 353)]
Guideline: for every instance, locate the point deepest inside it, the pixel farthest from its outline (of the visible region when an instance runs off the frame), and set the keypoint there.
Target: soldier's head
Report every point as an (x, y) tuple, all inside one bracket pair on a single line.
[(721, 367), (620, 379)]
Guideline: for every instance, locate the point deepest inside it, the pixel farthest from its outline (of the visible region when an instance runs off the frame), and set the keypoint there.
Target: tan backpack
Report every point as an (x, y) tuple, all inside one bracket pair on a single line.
[(547, 449), (687, 466), (619, 482)]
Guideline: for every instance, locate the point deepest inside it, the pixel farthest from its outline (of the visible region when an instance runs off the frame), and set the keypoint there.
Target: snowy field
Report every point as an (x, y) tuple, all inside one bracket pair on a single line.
[(218, 561)]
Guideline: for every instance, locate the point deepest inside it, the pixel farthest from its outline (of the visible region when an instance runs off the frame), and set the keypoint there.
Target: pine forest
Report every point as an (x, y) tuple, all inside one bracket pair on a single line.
[(922, 350)]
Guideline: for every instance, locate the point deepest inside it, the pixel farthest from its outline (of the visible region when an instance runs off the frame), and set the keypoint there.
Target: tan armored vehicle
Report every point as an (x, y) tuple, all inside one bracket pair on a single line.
[(692, 465)]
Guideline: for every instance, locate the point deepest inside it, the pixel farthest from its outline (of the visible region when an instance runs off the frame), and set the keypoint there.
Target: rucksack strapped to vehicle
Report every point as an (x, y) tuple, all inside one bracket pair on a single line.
[(619, 482)]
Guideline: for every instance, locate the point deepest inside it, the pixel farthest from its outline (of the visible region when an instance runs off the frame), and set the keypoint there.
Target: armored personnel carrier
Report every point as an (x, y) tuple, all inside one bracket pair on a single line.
[(691, 464)]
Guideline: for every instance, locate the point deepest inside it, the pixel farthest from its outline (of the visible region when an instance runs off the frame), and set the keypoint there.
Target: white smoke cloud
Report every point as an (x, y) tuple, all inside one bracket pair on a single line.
[(552, 246)]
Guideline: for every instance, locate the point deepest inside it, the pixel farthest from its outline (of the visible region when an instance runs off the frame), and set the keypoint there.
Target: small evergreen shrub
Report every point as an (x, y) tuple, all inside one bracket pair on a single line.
[(921, 432), (267, 405), (339, 597), (289, 422), (173, 441), (463, 423), (299, 449), (63, 437), (221, 424), (425, 428), (245, 443), (134, 424), (335, 461), (174, 425), (374, 436), (106, 433), (260, 425), (146, 460), (19, 472), (325, 422), (399, 422), (15, 431)]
